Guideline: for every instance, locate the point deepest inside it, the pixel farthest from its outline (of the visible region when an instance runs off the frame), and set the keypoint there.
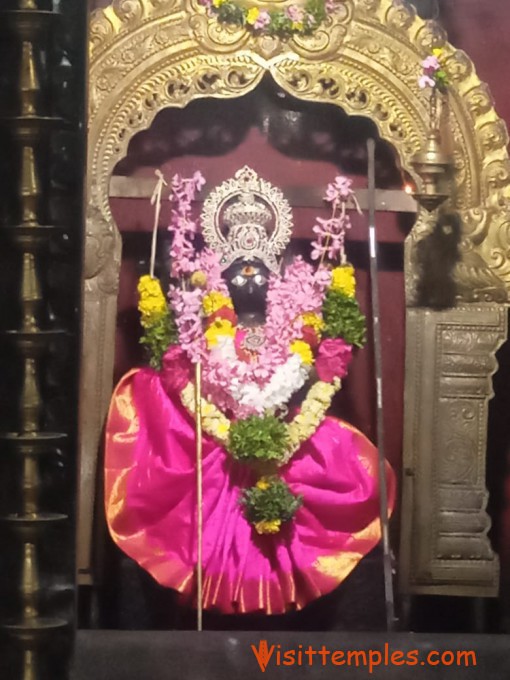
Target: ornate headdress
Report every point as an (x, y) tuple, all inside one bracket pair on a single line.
[(247, 217)]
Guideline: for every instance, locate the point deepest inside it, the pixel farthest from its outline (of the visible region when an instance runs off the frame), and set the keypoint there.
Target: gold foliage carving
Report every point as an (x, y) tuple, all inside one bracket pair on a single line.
[(150, 54)]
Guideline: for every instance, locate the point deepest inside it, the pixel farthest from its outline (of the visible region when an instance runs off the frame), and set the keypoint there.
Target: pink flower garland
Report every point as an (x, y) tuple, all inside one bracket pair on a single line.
[(430, 67), (187, 306), (209, 262), (434, 75), (182, 225), (330, 242), (333, 359), (299, 290)]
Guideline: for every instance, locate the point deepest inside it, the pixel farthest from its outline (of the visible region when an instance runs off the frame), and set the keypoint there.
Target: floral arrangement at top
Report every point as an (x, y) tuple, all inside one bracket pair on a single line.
[(293, 20), (433, 71), (313, 321), (435, 79)]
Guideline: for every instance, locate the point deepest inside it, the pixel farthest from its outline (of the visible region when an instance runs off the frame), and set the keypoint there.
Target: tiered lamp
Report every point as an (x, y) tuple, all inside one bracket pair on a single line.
[(30, 441)]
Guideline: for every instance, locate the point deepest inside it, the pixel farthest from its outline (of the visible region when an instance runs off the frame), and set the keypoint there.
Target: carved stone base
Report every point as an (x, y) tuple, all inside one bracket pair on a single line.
[(450, 359)]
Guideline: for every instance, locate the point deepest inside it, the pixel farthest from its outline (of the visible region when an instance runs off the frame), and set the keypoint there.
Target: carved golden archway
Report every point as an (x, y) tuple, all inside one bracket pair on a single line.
[(147, 55)]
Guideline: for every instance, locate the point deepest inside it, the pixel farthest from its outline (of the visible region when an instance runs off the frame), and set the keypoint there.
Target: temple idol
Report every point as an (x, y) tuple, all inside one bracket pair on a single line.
[(255, 286)]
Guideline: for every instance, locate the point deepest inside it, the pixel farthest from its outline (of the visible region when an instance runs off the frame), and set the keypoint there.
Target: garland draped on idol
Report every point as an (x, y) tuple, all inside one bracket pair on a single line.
[(225, 477), (313, 322)]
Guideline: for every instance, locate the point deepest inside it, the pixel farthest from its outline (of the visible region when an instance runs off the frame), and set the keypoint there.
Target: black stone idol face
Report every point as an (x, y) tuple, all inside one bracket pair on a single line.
[(247, 282)]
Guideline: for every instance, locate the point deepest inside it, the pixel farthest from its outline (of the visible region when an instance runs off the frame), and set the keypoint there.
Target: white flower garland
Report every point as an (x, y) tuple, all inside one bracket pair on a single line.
[(283, 384)]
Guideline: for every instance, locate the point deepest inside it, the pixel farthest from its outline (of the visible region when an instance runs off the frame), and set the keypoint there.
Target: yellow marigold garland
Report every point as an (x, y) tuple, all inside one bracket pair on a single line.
[(214, 301), (313, 411), (343, 280), (151, 302), (218, 328), (268, 526), (304, 350), (314, 321)]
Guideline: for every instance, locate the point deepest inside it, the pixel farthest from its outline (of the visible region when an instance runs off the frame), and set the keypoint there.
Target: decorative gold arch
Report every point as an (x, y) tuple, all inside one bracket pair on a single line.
[(147, 55)]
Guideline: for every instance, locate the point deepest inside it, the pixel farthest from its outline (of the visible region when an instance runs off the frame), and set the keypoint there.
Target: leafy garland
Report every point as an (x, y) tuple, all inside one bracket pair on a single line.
[(343, 318), (293, 20), (156, 319), (244, 439), (258, 439), (270, 503), (312, 413)]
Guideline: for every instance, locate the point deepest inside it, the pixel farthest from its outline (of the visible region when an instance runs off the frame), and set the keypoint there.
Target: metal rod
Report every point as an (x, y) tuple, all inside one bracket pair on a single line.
[(156, 201), (200, 511), (376, 334)]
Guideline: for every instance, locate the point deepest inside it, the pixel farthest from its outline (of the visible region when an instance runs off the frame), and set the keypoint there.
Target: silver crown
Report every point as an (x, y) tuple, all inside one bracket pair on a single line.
[(247, 210), (247, 217)]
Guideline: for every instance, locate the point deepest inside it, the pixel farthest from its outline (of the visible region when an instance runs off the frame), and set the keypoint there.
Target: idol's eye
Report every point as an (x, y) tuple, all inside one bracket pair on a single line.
[(259, 279), (238, 281)]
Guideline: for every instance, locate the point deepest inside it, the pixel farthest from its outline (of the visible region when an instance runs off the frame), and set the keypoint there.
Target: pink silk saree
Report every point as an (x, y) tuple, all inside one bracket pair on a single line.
[(150, 496)]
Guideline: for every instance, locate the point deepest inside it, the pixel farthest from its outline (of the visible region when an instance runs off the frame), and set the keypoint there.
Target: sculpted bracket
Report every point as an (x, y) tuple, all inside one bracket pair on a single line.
[(449, 365)]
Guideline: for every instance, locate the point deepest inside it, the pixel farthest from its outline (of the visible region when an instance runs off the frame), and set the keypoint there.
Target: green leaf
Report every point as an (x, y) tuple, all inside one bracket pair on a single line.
[(343, 318), (158, 337), (231, 13), (258, 439), (275, 502)]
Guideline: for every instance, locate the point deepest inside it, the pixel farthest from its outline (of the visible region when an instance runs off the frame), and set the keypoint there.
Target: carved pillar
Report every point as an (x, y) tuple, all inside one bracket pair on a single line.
[(450, 359), (41, 236)]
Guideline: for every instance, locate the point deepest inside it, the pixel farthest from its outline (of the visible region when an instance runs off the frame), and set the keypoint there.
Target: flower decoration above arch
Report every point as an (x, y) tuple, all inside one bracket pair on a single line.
[(295, 19), (433, 71)]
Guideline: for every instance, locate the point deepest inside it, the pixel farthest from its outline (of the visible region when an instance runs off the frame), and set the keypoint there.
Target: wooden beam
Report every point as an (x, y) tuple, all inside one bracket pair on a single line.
[(387, 200)]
